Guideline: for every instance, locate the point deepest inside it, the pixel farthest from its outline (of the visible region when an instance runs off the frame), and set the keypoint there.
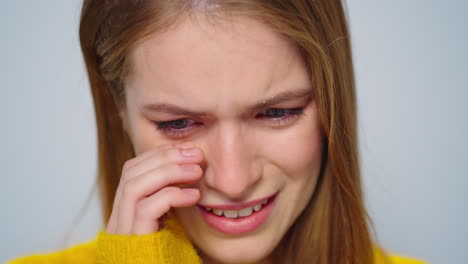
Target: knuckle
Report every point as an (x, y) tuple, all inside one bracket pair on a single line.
[(167, 169), (173, 154), (170, 191), (127, 165), (142, 210), (124, 178), (126, 170), (129, 189)]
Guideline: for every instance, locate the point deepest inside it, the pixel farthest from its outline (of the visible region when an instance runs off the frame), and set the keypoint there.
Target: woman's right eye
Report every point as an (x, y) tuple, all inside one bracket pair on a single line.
[(177, 128)]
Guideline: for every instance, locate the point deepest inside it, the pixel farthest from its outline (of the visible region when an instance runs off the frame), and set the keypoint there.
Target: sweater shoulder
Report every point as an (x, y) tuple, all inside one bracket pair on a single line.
[(399, 259), (383, 256), (78, 254), (169, 245)]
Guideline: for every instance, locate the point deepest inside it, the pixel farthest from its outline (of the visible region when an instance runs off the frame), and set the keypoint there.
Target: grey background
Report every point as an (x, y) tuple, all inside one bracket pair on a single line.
[(411, 66)]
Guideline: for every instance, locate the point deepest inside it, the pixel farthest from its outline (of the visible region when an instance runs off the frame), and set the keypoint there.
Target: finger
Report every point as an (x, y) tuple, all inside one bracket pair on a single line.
[(153, 180), (112, 223), (154, 207), (156, 159), (156, 150), (149, 183), (150, 153), (169, 155)]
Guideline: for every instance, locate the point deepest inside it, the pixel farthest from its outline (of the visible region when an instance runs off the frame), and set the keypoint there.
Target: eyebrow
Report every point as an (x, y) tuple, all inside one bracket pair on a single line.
[(274, 100)]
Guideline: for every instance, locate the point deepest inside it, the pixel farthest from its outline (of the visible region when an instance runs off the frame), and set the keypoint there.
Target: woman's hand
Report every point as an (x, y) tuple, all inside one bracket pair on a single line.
[(146, 192)]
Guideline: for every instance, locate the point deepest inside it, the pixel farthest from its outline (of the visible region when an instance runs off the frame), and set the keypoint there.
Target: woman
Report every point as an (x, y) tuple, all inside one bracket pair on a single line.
[(227, 134)]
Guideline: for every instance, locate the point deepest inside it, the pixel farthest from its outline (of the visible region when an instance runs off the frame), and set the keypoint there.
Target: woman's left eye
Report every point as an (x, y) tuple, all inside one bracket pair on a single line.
[(277, 116)]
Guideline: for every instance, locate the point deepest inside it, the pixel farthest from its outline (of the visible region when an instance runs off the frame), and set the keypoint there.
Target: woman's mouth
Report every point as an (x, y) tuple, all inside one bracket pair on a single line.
[(237, 218), (236, 214)]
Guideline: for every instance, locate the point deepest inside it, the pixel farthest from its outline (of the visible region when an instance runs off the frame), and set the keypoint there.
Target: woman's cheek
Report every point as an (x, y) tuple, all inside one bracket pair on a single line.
[(295, 150), (145, 135)]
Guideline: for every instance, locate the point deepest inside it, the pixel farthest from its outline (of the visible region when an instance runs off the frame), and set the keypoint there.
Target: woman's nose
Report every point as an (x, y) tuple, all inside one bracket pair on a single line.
[(231, 166)]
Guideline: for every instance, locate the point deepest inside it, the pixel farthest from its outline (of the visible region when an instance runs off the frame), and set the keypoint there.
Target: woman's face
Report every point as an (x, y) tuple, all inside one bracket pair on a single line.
[(243, 95)]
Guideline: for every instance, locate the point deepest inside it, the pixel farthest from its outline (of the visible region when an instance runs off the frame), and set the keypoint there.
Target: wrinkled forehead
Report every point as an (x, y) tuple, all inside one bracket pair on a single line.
[(227, 60)]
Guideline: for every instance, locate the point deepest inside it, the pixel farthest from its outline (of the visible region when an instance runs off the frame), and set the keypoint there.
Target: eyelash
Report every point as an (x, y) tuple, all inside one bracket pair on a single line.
[(166, 128)]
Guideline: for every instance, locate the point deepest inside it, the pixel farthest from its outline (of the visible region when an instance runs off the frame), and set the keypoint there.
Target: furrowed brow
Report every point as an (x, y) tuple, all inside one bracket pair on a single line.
[(274, 100), (171, 109), (284, 97)]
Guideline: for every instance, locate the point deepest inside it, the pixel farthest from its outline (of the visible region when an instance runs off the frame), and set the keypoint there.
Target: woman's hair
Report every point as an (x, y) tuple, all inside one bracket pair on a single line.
[(334, 227)]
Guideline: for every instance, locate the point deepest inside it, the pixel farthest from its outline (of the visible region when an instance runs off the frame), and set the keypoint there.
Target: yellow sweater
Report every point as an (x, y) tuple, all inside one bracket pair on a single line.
[(168, 246)]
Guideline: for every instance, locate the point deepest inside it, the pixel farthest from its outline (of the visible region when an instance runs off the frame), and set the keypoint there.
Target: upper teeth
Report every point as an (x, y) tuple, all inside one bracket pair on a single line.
[(241, 213)]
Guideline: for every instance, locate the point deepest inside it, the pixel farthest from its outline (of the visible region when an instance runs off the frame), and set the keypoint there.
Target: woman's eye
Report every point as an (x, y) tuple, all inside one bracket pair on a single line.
[(276, 116), (178, 127), (281, 116), (277, 112)]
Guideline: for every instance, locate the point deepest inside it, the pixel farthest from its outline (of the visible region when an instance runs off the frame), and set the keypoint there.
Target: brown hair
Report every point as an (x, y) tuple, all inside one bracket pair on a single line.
[(334, 227)]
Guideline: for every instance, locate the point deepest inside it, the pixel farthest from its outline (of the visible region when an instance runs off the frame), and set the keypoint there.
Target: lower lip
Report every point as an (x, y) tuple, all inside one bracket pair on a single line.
[(234, 226)]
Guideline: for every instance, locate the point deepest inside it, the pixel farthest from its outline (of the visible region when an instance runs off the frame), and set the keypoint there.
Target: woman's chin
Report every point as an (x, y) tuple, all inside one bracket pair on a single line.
[(234, 254), (252, 248)]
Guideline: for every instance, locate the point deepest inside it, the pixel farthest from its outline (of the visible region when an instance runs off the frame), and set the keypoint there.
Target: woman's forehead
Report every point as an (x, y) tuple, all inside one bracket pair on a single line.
[(239, 57)]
